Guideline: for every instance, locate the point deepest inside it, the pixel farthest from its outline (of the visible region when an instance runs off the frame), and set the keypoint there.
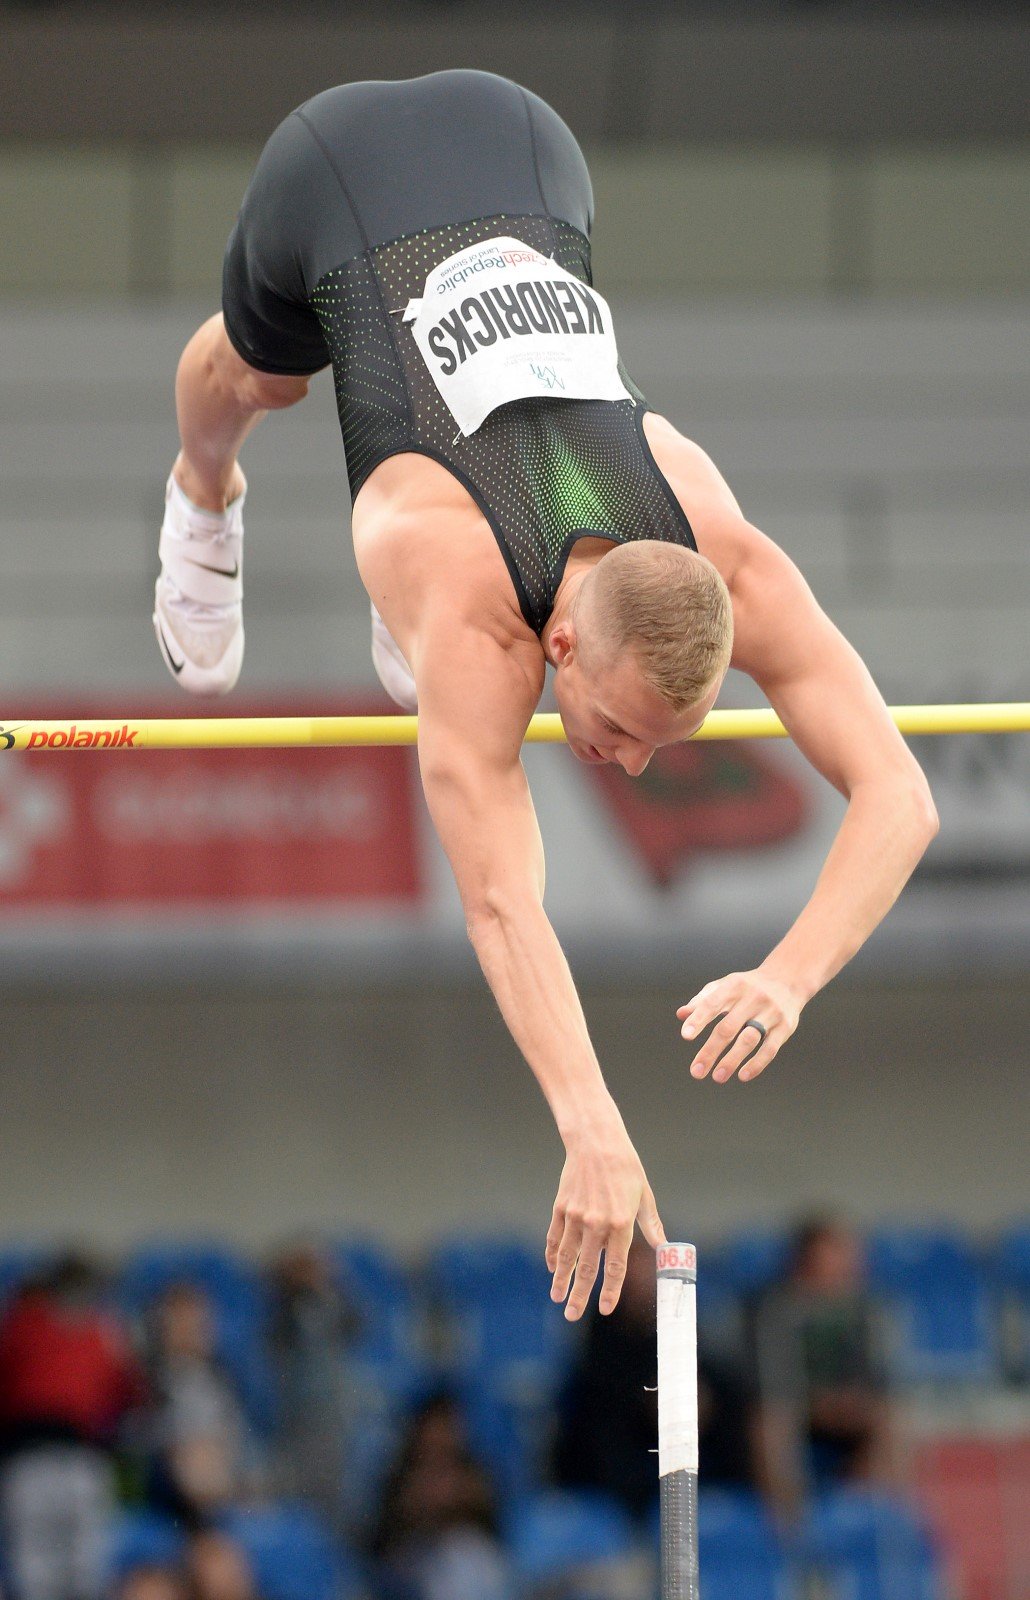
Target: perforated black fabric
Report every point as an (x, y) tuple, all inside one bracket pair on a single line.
[(544, 472)]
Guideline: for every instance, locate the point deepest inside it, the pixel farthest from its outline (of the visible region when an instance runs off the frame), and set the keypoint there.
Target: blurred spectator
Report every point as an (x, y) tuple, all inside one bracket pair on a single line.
[(203, 1449), (152, 1582), (214, 1568), (312, 1325), (608, 1427), (218, 1569), (67, 1380), (436, 1534), (823, 1414)]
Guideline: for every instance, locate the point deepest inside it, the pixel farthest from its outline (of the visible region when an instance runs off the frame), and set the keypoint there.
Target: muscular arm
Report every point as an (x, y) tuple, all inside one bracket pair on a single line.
[(836, 716), (475, 702), (832, 709)]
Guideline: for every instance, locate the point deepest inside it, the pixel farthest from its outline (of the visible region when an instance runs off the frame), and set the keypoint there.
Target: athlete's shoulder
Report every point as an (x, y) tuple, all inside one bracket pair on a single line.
[(424, 549), (708, 503)]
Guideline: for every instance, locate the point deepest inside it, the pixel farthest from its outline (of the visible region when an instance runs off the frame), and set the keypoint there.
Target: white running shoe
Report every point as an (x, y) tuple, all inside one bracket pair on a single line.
[(198, 600)]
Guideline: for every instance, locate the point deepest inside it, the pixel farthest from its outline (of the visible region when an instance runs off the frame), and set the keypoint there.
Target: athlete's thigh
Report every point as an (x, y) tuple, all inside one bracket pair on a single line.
[(266, 276), (363, 164)]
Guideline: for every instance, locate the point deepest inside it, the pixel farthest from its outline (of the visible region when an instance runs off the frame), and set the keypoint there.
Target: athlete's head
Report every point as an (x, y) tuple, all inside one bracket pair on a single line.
[(642, 653)]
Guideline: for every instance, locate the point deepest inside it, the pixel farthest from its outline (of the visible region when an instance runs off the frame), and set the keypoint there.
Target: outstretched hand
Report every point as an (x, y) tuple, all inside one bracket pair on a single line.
[(732, 1003), (603, 1192)]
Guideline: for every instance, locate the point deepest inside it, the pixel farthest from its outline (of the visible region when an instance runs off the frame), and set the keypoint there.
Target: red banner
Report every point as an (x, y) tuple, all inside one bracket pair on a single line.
[(207, 827), (695, 798)]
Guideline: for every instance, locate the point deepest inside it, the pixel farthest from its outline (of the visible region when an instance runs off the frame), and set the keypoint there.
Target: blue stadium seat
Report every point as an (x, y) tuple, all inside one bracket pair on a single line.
[(17, 1263), (728, 1580), (948, 1334), (292, 1553), (550, 1535), (907, 1257), (508, 1438), (717, 1295), (1010, 1271), (143, 1538), (495, 1292), (460, 1267), (870, 1547), (740, 1555), (751, 1259), (229, 1277), (1012, 1257), (390, 1341), (388, 1370), (937, 1292), (510, 1348)]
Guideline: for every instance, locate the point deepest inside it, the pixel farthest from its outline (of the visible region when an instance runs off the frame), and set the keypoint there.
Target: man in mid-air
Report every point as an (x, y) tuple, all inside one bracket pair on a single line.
[(516, 505)]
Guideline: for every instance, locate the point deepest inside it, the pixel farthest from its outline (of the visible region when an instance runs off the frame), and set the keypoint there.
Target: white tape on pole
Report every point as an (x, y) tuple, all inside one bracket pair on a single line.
[(677, 1358)]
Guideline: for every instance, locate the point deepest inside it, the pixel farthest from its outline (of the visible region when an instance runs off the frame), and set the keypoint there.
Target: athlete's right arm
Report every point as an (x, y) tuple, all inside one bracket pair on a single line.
[(475, 702)]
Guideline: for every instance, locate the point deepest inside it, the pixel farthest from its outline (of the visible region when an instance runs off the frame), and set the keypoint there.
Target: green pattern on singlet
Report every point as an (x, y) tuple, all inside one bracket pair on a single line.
[(569, 487)]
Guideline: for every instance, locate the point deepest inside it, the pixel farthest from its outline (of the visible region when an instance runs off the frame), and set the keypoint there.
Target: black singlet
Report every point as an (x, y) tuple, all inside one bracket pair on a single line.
[(357, 196)]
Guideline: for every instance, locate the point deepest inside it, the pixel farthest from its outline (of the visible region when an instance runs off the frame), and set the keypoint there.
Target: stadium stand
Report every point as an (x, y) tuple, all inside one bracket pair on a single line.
[(473, 1315)]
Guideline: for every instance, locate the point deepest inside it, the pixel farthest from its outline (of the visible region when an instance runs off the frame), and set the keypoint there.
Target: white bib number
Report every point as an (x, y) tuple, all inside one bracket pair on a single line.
[(499, 322)]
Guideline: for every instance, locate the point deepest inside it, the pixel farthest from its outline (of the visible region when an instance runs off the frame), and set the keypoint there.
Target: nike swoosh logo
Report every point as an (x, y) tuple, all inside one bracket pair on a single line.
[(176, 666), (220, 570)]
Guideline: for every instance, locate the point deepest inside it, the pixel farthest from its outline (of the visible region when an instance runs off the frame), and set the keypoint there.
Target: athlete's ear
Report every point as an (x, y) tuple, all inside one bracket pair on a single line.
[(563, 643)]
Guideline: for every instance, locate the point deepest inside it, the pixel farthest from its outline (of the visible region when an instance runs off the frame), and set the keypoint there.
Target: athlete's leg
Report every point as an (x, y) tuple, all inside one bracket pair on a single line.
[(256, 356), (198, 617), (219, 398)]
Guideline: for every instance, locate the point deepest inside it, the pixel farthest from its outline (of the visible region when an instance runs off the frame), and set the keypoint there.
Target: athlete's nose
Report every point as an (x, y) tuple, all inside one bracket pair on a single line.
[(633, 758)]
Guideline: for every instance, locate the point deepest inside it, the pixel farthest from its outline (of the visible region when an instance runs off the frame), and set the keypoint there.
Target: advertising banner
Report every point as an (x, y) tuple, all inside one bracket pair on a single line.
[(226, 829), (708, 856)]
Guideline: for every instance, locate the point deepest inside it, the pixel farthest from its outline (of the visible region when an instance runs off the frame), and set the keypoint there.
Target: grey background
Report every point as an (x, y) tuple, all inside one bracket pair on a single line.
[(406, 1112)]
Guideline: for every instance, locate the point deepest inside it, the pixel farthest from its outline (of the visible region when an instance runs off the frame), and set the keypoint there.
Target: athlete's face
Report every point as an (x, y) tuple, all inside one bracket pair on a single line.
[(610, 713)]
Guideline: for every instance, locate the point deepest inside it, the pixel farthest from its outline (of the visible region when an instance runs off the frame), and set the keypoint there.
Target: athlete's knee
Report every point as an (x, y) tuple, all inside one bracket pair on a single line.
[(213, 359), (271, 391), (254, 389)]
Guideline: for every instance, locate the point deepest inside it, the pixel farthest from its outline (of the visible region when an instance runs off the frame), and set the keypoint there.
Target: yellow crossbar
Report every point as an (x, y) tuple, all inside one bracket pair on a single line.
[(240, 733)]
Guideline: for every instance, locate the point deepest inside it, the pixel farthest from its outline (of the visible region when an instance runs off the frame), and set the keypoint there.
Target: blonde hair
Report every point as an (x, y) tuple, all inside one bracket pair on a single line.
[(669, 606)]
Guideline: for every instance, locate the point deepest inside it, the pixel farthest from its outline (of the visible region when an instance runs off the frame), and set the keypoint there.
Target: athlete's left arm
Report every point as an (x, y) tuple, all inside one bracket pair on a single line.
[(832, 709)]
